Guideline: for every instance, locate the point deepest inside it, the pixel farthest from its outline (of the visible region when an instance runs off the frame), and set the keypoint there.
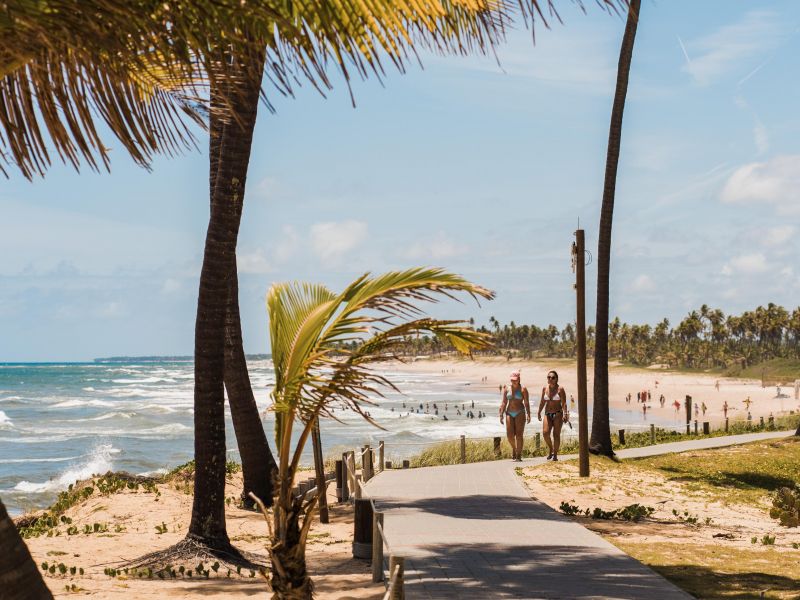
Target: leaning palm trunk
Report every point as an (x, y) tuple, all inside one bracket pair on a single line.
[(208, 510), (258, 464), (600, 442), (19, 577), (310, 328)]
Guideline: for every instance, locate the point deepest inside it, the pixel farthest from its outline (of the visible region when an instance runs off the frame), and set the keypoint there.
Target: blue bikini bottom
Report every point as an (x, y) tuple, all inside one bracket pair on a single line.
[(513, 413)]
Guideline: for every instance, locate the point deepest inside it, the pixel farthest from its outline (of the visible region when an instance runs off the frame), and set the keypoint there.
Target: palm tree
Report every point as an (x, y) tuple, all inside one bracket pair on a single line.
[(19, 577), (600, 442), (308, 325)]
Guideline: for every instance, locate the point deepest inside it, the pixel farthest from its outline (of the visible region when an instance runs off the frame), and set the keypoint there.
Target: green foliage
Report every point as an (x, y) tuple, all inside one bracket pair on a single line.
[(786, 506), (161, 529), (632, 512), (768, 540)]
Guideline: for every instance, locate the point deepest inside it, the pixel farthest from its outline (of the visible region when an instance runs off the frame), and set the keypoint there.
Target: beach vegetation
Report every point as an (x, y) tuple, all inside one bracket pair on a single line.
[(307, 324), (786, 506)]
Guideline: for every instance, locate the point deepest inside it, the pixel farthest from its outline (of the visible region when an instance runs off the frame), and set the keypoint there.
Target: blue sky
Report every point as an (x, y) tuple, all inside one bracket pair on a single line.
[(482, 169)]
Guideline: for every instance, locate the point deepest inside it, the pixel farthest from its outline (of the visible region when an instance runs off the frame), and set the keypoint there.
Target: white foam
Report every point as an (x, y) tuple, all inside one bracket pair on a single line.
[(168, 429), (11, 461), (111, 415), (153, 473), (10, 398), (5, 421), (76, 403), (89, 389), (98, 461)]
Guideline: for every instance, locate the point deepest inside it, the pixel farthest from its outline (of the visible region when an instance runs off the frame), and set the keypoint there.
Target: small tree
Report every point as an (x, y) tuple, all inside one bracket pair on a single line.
[(316, 367)]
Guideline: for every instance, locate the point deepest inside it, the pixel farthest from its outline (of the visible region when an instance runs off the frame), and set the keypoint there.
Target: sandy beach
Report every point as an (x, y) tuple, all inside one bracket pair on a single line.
[(133, 520), (623, 381)]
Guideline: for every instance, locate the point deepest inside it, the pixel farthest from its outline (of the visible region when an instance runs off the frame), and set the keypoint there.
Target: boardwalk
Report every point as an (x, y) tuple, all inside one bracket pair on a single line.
[(472, 531)]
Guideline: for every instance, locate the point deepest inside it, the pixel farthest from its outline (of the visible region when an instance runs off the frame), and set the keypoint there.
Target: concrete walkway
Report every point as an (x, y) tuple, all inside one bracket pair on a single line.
[(473, 531)]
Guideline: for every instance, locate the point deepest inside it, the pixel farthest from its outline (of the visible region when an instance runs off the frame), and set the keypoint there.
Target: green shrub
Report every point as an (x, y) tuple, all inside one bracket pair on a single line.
[(786, 506)]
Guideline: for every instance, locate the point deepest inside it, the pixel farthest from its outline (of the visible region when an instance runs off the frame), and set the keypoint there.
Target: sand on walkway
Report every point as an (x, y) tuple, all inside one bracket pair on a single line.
[(622, 381)]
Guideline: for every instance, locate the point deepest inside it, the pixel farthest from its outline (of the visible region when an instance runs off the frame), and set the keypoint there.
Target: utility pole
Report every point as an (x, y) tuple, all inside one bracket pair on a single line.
[(579, 266)]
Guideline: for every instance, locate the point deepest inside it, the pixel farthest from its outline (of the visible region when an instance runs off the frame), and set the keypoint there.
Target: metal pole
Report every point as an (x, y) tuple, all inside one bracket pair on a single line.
[(583, 416)]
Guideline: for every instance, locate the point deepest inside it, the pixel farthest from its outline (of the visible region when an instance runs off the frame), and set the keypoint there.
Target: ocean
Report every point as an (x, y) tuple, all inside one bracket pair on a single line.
[(61, 422)]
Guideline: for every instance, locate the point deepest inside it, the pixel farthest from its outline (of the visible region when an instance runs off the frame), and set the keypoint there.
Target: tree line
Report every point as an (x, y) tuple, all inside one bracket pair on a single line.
[(705, 338)]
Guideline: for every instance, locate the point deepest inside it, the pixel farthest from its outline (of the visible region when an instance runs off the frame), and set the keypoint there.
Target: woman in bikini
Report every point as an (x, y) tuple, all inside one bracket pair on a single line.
[(554, 403), (515, 408)]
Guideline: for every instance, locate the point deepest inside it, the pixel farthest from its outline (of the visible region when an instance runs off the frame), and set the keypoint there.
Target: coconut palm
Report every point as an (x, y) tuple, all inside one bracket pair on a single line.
[(310, 330), (600, 442), (19, 577)]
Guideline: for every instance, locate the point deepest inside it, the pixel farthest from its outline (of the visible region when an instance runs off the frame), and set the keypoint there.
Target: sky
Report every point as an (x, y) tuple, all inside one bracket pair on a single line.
[(485, 169)]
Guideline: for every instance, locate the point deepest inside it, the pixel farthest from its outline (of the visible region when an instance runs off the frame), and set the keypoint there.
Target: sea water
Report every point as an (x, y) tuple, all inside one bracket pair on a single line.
[(67, 421)]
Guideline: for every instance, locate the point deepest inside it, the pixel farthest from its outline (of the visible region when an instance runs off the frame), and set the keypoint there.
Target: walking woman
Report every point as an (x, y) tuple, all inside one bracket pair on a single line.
[(516, 409), (554, 403)]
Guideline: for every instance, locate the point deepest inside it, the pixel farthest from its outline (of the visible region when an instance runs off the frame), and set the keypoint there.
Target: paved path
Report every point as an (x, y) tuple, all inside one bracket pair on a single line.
[(473, 531)]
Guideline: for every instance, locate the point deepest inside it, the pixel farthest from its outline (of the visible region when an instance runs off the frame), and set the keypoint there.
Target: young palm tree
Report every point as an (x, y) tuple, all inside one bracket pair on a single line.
[(308, 327), (600, 442)]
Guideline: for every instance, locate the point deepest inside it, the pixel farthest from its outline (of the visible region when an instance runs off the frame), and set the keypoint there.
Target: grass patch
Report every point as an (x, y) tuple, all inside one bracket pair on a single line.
[(717, 572), (449, 453), (784, 369), (739, 474)]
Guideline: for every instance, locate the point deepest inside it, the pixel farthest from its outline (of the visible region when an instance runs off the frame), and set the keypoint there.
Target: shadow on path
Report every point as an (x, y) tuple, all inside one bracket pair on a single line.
[(477, 506), (495, 571)]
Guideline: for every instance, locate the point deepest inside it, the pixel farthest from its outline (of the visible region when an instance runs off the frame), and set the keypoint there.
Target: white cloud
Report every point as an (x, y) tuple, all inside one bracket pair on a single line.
[(112, 310), (253, 263), (171, 286), (287, 246), (643, 284), (730, 47), (775, 182), (331, 241), (746, 264), (440, 247), (777, 236), (760, 137)]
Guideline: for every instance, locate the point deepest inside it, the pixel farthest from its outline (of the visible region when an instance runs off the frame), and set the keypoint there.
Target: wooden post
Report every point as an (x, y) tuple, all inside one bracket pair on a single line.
[(463, 447), (364, 458), (377, 547), (706, 428), (621, 437), (695, 426), (345, 478), (319, 468), (497, 447), (381, 448), (339, 467), (761, 422), (771, 421), (726, 424), (362, 528), (652, 433), (580, 290), (388, 465), (406, 464), (397, 561)]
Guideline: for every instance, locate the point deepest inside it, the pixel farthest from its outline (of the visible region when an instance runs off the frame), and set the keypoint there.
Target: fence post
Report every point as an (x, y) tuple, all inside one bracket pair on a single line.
[(621, 437), (339, 486), (364, 468), (652, 433), (463, 449), (726, 424), (761, 422), (377, 547), (497, 447), (397, 561), (406, 464), (362, 528), (345, 496), (771, 422), (388, 465), (706, 428), (381, 447), (695, 426)]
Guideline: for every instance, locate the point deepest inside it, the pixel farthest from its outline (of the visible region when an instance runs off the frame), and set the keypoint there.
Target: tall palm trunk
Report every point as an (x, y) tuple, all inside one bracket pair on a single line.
[(600, 442), (19, 577), (208, 509), (258, 463)]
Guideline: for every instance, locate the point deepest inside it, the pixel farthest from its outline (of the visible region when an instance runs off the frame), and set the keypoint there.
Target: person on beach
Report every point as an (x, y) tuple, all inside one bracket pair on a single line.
[(725, 409), (554, 403), (515, 409)]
